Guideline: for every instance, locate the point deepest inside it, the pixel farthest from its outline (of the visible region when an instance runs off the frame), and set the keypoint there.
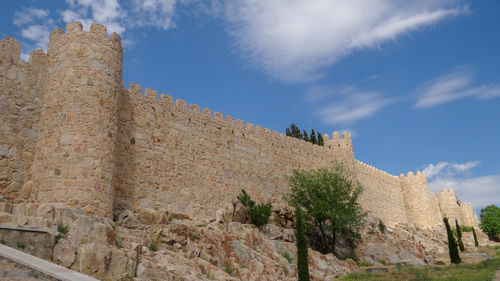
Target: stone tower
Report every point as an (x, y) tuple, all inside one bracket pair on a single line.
[(421, 205), (74, 161), (448, 205)]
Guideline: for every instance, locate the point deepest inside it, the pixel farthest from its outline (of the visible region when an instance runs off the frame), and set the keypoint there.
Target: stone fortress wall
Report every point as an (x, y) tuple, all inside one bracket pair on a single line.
[(71, 133)]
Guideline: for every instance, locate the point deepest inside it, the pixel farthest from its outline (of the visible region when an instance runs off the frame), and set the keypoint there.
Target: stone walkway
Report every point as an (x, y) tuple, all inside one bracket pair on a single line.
[(50, 269)]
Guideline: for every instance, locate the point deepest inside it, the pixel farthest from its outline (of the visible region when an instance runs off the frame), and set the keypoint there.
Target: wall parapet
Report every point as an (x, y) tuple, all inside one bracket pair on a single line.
[(151, 97)]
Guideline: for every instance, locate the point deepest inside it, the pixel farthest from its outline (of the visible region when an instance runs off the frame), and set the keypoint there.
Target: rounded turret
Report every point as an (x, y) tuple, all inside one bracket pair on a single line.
[(74, 161)]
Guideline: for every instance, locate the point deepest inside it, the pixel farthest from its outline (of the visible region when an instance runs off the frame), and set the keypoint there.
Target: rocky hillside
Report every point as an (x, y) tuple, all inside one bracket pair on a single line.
[(157, 244)]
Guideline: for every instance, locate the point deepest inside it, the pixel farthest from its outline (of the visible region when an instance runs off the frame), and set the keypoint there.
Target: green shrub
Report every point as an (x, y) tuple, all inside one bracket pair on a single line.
[(245, 199), (228, 268), (466, 228), (260, 213), (365, 263), (287, 256), (381, 226), (153, 247), (57, 238), (62, 228)]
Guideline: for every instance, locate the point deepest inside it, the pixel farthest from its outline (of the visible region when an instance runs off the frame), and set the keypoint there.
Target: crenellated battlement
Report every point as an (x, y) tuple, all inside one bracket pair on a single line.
[(75, 30), (10, 52), (84, 140), (374, 169), (151, 97), (445, 192)]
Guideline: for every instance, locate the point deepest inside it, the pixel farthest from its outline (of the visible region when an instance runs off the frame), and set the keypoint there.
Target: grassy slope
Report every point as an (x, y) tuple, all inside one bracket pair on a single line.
[(484, 270)]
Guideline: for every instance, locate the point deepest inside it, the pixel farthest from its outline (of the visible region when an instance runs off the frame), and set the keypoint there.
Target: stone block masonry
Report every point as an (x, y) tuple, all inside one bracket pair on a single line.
[(71, 133)]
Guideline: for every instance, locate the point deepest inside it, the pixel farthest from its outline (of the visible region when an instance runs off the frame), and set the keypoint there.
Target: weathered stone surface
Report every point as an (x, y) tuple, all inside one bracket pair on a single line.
[(120, 264), (7, 218), (92, 259), (127, 219), (45, 211), (64, 253), (240, 213), (26, 189)]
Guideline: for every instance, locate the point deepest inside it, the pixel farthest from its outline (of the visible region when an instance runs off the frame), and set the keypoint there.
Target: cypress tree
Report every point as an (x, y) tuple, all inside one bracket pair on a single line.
[(321, 142), (312, 138), (288, 132), (459, 236), (301, 242), (476, 243), (452, 244), (295, 131), (306, 137)]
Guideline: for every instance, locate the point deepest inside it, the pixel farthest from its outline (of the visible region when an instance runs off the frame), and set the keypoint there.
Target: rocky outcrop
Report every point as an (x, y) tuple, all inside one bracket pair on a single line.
[(150, 244), (281, 214), (158, 244), (399, 245)]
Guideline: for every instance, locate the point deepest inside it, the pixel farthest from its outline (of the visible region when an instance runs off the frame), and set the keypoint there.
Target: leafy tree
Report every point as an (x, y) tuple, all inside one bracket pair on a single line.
[(329, 199), (305, 136), (288, 132), (312, 138), (476, 243), (490, 221), (321, 142), (452, 244), (459, 236), (301, 242)]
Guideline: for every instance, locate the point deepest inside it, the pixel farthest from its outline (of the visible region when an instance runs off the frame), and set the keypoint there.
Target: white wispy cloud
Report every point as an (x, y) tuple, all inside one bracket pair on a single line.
[(480, 191), (35, 25), (446, 169), (29, 15), (106, 12), (118, 16), (293, 40), (345, 105), (158, 13), (451, 87)]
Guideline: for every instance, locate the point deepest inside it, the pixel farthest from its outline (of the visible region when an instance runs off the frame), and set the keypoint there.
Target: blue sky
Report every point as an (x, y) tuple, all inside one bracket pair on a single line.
[(417, 84)]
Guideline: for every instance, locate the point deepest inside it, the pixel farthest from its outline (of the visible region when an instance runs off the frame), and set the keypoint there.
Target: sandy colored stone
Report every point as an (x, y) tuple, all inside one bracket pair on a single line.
[(26, 189), (64, 253)]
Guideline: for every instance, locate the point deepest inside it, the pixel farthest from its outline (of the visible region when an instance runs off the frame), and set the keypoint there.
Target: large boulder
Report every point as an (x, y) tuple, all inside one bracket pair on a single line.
[(64, 253)]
